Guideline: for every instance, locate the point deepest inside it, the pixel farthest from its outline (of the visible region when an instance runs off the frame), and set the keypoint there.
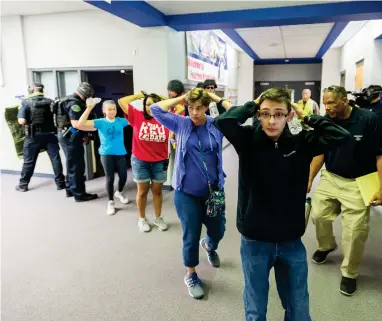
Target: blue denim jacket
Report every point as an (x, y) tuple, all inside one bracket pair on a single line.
[(182, 127)]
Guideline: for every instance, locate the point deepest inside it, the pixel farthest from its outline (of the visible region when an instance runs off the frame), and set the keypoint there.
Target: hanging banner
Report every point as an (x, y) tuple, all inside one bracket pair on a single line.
[(206, 57)]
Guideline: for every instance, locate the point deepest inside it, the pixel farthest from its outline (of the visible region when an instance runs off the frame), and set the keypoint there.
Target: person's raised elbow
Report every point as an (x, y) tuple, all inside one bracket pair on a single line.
[(22, 121), (156, 110), (76, 124)]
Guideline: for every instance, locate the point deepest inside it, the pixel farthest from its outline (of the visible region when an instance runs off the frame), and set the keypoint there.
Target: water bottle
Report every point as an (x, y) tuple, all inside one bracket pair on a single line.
[(214, 112), (294, 126), (308, 208)]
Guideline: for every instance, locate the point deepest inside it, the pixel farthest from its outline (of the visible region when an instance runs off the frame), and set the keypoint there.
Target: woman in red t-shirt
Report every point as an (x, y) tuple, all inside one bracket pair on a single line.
[(149, 159)]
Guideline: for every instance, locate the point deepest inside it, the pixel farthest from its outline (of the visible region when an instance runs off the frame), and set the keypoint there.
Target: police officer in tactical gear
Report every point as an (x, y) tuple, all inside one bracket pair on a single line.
[(373, 101), (71, 138), (40, 133)]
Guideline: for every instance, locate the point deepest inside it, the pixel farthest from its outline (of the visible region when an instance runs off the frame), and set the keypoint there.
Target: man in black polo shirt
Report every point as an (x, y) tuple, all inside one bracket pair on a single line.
[(338, 192)]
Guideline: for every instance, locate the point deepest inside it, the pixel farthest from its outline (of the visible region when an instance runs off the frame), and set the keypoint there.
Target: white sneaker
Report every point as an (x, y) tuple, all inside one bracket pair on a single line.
[(122, 198), (159, 222), (143, 225), (110, 208)]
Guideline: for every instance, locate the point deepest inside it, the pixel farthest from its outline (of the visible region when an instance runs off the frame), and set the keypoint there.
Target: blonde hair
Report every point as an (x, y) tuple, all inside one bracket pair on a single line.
[(199, 94)]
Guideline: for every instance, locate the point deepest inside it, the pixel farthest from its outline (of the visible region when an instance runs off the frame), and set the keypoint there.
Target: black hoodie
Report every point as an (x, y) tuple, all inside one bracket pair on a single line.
[(273, 176)]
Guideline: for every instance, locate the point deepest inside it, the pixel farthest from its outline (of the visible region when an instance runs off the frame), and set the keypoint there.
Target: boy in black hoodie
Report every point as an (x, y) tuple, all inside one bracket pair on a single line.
[(273, 175)]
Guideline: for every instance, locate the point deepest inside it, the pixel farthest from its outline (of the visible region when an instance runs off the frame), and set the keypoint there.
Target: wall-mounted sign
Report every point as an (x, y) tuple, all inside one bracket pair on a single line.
[(309, 83), (231, 96), (206, 57)]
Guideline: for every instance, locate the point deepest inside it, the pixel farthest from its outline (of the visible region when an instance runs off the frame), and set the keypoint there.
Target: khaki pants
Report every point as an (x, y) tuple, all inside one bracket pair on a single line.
[(337, 195)]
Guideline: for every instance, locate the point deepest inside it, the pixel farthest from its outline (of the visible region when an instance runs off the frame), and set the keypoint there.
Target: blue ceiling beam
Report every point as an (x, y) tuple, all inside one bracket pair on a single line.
[(138, 12), (332, 36), (267, 17), (288, 61), (236, 38)]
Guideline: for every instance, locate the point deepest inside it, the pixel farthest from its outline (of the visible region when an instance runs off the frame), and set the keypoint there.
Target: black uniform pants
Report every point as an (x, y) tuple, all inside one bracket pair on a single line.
[(75, 163), (32, 147)]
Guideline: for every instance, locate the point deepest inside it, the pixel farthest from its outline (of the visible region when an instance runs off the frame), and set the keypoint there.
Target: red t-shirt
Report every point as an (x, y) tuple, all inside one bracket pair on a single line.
[(150, 138)]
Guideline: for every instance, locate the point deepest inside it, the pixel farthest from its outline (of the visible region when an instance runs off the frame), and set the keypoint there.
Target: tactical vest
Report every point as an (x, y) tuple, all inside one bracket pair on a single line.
[(41, 115), (59, 109)]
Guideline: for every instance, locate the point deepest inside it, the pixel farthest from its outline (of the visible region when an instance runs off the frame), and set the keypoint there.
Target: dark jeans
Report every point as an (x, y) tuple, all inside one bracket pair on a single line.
[(291, 273), (32, 147), (112, 164), (75, 163), (192, 214)]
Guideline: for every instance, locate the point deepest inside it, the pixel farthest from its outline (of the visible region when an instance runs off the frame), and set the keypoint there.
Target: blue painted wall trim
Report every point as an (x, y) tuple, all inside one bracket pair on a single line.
[(379, 37), (138, 12), (332, 36), (236, 38), (11, 172), (290, 61), (266, 17)]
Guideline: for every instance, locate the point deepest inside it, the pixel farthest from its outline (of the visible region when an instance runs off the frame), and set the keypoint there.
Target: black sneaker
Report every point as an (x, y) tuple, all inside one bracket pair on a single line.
[(212, 256), (319, 257), (21, 188), (86, 197), (69, 193), (348, 286), (60, 187)]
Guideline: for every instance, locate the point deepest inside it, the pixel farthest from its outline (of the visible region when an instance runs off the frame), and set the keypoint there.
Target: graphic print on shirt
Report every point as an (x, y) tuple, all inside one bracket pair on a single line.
[(152, 132), (112, 133)]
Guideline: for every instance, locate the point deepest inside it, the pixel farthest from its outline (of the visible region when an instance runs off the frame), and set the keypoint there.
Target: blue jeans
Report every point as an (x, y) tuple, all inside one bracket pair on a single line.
[(192, 214), (291, 273), (144, 172)]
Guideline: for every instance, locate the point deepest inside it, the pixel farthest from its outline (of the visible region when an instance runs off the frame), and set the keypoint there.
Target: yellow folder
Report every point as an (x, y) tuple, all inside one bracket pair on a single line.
[(368, 185)]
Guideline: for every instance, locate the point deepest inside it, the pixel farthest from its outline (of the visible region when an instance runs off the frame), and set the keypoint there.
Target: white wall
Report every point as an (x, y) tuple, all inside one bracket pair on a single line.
[(245, 79), (85, 38), (176, 55), (297, 72), (233, 62), (363, 46), (15, 84), (331, 72)]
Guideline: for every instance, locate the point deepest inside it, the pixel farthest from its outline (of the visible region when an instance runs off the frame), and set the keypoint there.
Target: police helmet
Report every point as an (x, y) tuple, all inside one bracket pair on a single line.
[(200, 84), (176, 86), (85, 90)]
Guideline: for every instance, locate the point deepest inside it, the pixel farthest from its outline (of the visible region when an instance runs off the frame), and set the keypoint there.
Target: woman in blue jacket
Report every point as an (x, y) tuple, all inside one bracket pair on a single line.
[(198, 165)]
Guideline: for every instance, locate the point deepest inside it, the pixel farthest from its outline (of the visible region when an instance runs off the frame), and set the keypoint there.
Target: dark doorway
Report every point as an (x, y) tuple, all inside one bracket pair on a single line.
[(298, 86), (111, 85)]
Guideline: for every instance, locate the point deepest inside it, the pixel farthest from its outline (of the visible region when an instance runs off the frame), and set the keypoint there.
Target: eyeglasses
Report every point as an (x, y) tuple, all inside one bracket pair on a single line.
[(278, 116), (210, 87)]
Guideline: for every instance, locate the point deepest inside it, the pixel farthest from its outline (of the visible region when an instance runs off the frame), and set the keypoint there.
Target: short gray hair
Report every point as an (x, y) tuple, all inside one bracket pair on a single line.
[(108, 102)]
